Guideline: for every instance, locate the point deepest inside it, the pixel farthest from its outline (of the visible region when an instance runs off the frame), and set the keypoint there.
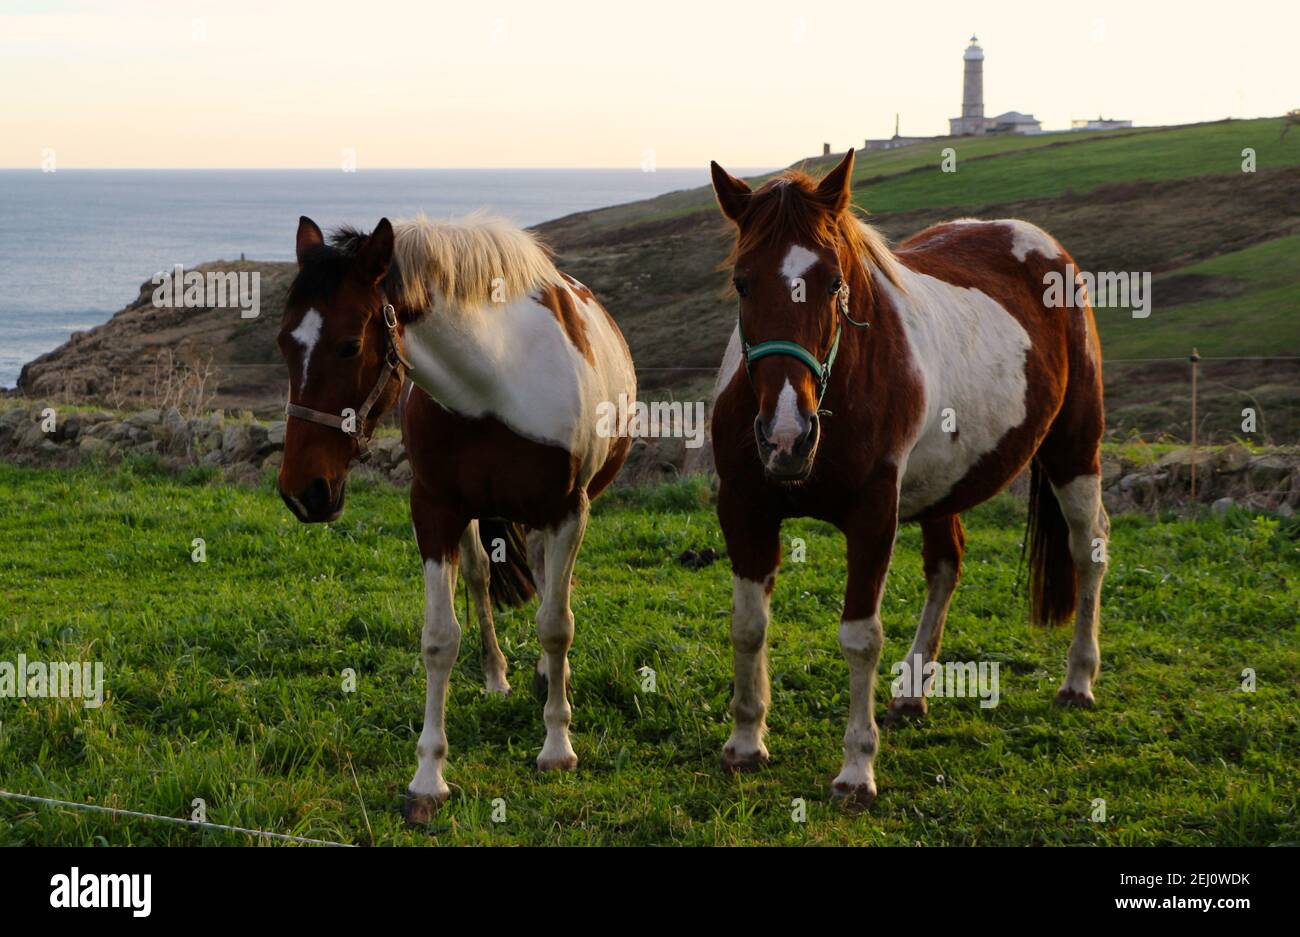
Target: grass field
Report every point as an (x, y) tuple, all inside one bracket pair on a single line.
[(225, 682)]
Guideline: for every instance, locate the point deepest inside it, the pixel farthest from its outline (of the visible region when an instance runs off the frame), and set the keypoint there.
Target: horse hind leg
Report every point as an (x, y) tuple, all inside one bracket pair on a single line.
[(942, 543), (478, 575), (535, 546), (555, 629), (1080, 501)]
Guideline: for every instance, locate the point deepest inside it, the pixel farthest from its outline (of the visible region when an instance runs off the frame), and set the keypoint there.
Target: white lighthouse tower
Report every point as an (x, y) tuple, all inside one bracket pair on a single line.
[(971, 120)]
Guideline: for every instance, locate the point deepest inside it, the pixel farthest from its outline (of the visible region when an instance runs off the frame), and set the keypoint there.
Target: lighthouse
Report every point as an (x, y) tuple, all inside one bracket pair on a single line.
[(972, 121), (972, 97)]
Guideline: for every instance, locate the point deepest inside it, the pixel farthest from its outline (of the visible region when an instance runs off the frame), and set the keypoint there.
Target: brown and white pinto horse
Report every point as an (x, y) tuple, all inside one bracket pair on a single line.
[(949, 376), (507, 361)]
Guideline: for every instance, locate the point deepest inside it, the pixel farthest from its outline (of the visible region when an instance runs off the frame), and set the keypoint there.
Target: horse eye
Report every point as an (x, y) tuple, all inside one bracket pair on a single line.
[(350, 349), (836, 285), (742, 287)]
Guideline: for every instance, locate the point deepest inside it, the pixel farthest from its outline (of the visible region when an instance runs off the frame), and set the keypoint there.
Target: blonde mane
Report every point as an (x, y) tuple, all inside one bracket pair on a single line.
[(468, 262)]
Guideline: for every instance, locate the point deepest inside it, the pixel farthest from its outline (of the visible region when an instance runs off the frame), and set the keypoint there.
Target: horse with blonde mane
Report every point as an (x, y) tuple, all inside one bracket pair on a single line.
[(498, 364)]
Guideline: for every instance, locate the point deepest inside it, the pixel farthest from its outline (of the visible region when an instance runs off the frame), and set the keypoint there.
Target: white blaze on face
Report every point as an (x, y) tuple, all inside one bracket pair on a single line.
[(798, 261), (307, 334), (786, 424)]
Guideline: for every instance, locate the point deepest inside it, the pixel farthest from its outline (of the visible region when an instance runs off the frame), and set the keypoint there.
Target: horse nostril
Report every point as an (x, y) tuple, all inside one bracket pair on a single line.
[(804, 444), (316, 497), (760, 433)]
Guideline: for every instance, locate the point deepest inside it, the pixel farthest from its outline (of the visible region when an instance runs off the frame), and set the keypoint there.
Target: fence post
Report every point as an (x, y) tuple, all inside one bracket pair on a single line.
[(1195, 358)]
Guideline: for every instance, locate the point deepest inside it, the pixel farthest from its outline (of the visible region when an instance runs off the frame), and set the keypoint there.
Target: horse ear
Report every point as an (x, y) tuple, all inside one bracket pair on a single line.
[(733, 194), (309, 236), (376, 253), (836, 190)]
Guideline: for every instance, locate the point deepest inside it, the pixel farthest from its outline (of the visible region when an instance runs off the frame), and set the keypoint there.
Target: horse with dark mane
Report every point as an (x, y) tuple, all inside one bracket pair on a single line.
[(868, 387), (498, 364)]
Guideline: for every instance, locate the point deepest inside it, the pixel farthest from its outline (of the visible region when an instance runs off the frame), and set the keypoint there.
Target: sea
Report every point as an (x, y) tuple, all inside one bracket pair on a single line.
[(76, 244)]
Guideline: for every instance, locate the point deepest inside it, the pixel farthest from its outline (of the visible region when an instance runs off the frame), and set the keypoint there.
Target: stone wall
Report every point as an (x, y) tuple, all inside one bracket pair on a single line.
[(242, 448)]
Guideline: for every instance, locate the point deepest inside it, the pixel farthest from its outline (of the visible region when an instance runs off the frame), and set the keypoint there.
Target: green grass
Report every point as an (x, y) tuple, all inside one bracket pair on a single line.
[(996, 169), (225, 681), (1080, 167)]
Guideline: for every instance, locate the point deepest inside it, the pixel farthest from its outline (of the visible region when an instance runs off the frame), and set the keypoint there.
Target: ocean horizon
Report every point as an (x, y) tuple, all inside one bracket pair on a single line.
[(76, 244)]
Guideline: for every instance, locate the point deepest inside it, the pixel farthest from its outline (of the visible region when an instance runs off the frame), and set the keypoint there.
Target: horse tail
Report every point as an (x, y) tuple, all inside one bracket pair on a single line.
[(1053, 592), (510, 581)]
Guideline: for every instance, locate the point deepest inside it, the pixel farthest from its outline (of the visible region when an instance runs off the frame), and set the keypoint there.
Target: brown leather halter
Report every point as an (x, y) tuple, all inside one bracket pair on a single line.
[(395, 363)]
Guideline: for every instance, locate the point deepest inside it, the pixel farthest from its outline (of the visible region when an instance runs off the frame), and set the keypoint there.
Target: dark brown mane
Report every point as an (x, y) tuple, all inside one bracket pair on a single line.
[(787, 209)]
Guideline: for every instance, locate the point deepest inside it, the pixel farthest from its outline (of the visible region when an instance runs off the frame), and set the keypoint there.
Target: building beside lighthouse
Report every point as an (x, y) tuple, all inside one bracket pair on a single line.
[(972, 121)]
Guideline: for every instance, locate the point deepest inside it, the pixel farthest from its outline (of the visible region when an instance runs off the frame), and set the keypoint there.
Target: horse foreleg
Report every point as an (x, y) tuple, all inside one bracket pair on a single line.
[(870, 532), (437, 532), (555, 628), (754, 545), (942, 541), (478, 573)]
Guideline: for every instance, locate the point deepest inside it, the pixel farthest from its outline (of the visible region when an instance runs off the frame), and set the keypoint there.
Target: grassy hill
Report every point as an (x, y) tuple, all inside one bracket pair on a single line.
[(1224, 247), (1222, 243)]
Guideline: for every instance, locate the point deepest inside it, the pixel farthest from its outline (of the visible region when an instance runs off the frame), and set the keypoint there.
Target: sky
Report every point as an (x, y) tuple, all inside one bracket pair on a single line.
[(598, 83)]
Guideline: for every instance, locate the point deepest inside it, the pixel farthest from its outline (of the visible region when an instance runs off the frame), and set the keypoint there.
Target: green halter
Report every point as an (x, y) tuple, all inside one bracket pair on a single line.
[(821, 369)]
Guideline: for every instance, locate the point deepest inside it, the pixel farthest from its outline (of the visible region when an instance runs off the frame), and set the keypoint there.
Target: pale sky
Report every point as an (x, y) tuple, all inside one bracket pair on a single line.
[(587, 83)]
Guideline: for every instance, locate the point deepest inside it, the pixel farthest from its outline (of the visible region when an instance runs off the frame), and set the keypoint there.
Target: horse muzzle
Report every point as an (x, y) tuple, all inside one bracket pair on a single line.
[(787, 458), (317, 503)]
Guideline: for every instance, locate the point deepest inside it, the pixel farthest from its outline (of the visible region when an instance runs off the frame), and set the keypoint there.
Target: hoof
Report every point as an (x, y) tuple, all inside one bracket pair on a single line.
[(1074, 699), (853, 797), (750, 761), (496, 688), (419, 809), (903, 710), (567, 762)]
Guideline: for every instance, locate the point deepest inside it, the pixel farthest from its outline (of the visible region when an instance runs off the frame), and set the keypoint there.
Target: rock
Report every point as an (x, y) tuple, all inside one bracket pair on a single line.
[(1269, 473), (13, 416), (275, 433), (68, 430), (236, 443), (257, 439), (31, 436), (672, 451), (1232, 458), (215, 457), (1285, 510), (173, 422), (149, 447), (1222, 506), (1111, 471), (91, 445), (401, 473), (116, 432), (1178, 466), (1146, 488), (387, 451), (1128, 481), (273, 460), (145, 418)]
